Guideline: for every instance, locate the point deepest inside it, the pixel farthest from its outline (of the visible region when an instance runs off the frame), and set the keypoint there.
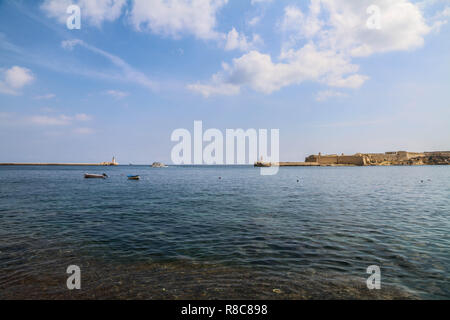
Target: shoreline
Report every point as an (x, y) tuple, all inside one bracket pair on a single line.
[(181, 279), (315, 164)]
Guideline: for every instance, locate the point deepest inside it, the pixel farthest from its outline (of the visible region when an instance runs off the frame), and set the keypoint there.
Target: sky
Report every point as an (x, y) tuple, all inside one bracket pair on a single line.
[(334, 76)]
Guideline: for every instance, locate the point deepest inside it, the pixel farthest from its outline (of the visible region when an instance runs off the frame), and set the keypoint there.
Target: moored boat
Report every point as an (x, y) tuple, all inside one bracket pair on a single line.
[(158, 165), (95, 176), (134, 178)]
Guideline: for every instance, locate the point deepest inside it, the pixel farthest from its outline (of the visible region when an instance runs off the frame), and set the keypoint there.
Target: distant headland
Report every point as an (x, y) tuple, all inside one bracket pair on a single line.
[(397, 158)]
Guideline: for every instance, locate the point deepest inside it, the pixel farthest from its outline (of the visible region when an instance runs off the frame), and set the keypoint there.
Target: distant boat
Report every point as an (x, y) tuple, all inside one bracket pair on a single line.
[(95, 176), (134, 178), (158, 165)]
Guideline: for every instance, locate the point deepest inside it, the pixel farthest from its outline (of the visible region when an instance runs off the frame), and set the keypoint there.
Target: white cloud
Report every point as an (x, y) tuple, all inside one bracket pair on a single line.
[(440, 19), (445, 12), (299, 25), (95, 12), (320, 45), (82, 117), (236, 40), (254, 21), (328, 94), (8, 46), (83, 131), (217, 88), (260, 1), (14, 79), (48, 109), (50, 121), (5, 115), (45, 96), (17, 77), (403, 26), (176, 17), (128, 73), (61, 120), (260, 73), (117, 94)]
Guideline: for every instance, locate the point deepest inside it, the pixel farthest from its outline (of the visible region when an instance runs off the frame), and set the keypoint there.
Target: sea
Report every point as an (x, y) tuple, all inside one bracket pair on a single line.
[(225, 232)]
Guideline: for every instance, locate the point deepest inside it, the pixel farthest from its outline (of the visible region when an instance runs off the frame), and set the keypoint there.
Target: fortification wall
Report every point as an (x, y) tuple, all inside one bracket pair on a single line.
[(381, 157), (357, 160), (326, 160)]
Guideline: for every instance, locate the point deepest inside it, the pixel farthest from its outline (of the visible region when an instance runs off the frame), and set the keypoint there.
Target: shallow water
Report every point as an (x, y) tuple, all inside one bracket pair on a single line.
[(181, 232)]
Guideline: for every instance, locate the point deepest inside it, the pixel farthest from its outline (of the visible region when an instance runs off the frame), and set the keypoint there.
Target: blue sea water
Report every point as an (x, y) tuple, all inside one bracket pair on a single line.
[(332, 224)]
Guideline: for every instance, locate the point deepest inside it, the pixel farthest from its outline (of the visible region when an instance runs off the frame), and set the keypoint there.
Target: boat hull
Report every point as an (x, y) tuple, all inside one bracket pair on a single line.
[(94, 176)]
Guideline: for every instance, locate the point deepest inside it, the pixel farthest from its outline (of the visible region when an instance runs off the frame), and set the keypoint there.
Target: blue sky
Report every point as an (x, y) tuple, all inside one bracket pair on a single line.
[(139, 69)]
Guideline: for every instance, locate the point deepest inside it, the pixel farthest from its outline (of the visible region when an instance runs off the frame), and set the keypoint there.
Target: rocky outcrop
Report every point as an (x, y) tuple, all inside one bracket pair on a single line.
[(437, 160)]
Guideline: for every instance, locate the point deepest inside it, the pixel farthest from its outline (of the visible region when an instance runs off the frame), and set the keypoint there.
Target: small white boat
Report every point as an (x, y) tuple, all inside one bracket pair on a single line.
[(158, 165)]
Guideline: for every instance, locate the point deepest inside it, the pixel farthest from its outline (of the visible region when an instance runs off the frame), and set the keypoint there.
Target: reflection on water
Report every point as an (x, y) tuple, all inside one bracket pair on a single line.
[(181, 232)]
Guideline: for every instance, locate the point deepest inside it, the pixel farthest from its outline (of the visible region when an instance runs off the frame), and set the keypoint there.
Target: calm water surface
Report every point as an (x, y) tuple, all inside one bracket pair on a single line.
[(181, 232)]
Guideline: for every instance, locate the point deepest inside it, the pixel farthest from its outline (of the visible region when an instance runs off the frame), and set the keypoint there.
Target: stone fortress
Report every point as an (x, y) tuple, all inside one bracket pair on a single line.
[(397, 158), (382, 159)]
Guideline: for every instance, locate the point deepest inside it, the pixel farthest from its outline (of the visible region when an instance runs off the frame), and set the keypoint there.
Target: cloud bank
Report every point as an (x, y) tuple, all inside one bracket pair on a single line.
[(320, 46)]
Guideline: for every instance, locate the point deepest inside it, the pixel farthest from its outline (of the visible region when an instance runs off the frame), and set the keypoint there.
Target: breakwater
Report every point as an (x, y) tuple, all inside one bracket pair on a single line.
[(101, 164), (55, 164)]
